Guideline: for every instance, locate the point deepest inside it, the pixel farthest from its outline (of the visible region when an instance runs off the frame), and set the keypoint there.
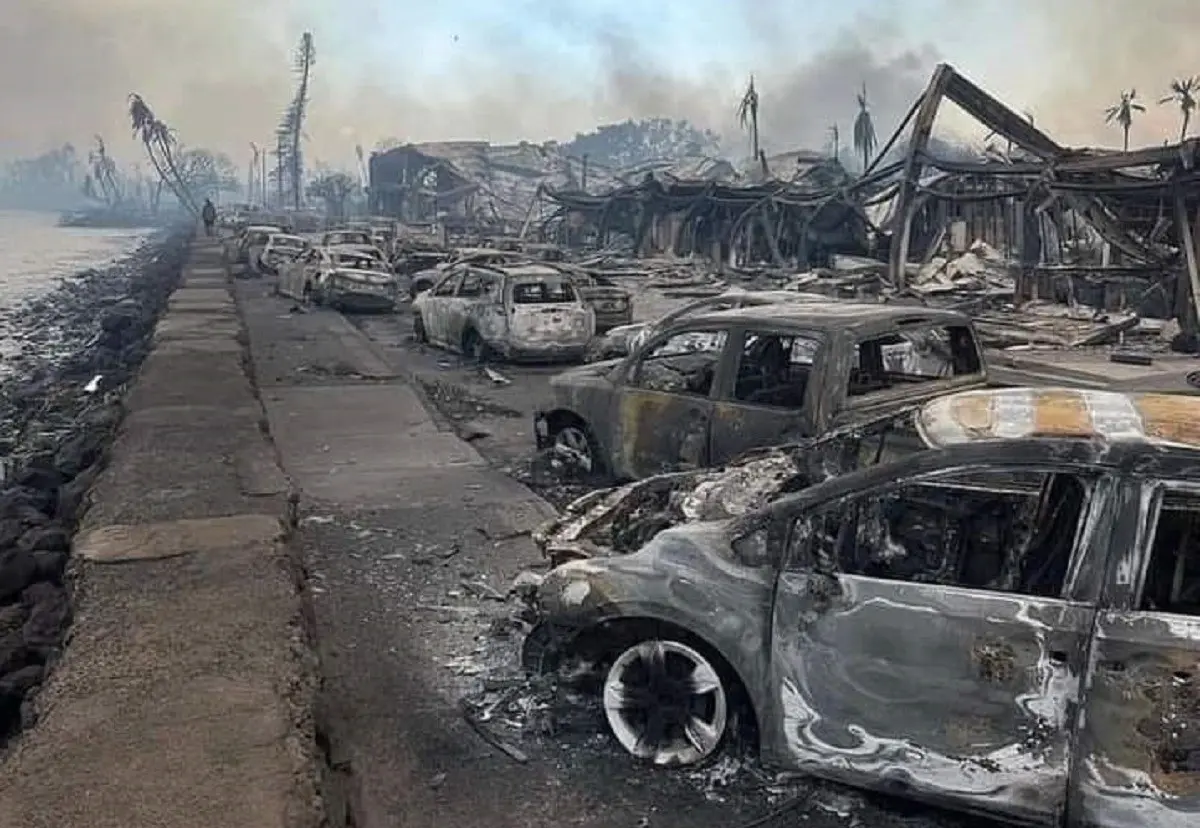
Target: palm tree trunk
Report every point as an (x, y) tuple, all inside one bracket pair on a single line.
[(1125, 132), (1187, 116), (166, 179), (181, 189)]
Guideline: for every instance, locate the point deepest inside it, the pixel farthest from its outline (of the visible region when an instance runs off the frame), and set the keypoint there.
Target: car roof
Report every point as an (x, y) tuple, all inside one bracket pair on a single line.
[(530, 271), (288, 236), (264, 228), (830, 315), (1085, 415)]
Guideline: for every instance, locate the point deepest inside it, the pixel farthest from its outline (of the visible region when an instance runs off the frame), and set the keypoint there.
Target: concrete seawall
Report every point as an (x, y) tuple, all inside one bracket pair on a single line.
[(184, 696)]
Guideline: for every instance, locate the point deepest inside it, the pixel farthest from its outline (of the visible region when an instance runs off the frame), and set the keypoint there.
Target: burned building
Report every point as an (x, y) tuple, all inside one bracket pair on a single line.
[(472, 182), (1107, 228)]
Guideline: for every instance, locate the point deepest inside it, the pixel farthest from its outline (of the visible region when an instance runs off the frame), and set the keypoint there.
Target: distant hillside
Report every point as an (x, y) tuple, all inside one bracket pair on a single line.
[(633, 143)]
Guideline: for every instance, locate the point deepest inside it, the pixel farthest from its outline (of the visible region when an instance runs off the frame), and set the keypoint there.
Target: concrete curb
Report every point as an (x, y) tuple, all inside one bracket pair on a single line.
[(185, 695)]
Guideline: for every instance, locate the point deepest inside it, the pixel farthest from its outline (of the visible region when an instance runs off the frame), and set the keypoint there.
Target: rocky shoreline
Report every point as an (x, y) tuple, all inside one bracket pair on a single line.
[(60, 405)]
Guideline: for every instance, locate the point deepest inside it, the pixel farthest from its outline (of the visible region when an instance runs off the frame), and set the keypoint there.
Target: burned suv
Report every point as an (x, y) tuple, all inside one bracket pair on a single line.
[(708, 388), (1006, 622)]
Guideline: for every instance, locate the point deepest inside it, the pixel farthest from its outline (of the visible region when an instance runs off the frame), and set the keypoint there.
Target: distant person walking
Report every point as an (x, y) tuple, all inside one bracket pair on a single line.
[(209, 215)]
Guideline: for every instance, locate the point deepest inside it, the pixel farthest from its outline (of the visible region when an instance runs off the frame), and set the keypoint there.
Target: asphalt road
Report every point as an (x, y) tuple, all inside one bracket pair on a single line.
[(410, 597)]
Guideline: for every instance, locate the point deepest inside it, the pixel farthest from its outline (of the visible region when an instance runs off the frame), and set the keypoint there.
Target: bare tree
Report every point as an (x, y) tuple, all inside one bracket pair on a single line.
[(747, 114), (291, 127), (864, 130)]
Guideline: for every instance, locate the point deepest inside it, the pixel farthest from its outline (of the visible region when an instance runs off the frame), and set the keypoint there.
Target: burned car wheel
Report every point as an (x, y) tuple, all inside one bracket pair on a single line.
[(573, 442), (666, 703)]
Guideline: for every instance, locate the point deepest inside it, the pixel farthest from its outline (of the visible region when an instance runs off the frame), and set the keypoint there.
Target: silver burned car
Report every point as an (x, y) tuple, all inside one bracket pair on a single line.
[(515, 312), (1004, 620)]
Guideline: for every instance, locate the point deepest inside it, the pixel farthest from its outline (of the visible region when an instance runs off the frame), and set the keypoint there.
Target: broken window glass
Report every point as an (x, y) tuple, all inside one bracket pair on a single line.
[(1173, 575), (685, 363), (774, 369), (912, 356), (995, 530)]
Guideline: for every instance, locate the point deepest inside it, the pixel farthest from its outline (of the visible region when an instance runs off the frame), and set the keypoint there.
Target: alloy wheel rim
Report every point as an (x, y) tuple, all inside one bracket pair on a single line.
[(665, 703)]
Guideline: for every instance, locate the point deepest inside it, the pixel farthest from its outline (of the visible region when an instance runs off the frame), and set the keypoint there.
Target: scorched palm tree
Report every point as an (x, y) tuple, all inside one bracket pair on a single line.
[(1183, 93), (1122, 114), (864, 130), (747, 114)]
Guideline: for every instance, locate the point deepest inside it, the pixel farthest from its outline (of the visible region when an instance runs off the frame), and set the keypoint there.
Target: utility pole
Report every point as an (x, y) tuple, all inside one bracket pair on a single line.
[(250, 175), (279, 170), (262, 177)]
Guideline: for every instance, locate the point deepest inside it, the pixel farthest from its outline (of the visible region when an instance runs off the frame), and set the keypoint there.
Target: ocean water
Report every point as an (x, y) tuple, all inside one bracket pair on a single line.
[(36, 255)]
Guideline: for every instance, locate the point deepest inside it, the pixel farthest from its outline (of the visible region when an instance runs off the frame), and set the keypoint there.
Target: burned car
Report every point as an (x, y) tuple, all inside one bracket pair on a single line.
[(344, 278), (623, 339), (346, 236), (279, 250), (248, 246), (1006, 621), (520, 312), (477, 256), (709, 388), (612, 303)]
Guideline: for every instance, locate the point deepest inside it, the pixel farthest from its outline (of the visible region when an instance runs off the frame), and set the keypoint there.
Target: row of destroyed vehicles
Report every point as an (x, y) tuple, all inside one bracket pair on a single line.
[(512, 303), (838, 536)]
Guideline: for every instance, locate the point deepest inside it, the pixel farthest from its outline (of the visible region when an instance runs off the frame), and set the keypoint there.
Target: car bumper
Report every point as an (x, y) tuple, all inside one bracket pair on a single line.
[(540, 351), (364, 301)]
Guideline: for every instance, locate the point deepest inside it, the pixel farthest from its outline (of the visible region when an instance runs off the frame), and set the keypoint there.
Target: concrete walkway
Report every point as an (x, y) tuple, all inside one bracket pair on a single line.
[(183, 698)]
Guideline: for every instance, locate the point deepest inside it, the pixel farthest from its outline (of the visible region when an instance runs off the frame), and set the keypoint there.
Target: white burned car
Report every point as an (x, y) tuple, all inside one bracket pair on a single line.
[(341, 277), (280, 249), (525, 311)]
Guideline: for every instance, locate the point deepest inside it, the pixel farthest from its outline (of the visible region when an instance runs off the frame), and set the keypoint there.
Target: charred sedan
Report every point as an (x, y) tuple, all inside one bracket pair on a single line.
[(346, 279), (1006, 622), (279, 250), (521, 312), (709, 388)]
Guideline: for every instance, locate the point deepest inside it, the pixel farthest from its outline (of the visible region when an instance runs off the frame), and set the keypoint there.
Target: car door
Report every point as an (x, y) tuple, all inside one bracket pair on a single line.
[(929, 635), (434, 309), (458, 308), (768, 399), (665, 403), (1139, 738)]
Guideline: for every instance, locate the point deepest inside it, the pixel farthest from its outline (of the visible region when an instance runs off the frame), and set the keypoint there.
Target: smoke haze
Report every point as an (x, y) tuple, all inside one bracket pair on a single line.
[(218, 72)]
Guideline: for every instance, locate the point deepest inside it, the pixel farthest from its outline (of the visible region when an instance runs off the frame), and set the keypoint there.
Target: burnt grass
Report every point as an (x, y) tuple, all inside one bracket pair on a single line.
[(57, 421)]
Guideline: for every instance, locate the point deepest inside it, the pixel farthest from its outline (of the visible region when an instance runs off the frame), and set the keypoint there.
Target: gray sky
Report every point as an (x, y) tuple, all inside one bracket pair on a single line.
[(218, 70)]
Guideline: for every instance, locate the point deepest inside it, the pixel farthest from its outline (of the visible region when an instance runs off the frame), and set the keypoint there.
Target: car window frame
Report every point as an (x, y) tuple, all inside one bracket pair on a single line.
[(734, 359), (634, 360), (449, 277), (1087, 532)]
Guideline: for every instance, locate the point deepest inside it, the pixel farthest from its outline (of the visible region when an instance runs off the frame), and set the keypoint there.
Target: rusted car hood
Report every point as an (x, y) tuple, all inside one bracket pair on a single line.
[(621, 520)]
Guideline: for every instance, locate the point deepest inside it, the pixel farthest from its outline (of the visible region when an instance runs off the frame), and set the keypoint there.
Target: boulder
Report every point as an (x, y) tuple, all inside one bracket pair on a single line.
[(49, 614), (17, 571)]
